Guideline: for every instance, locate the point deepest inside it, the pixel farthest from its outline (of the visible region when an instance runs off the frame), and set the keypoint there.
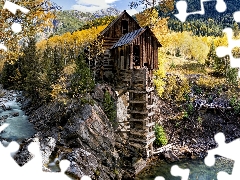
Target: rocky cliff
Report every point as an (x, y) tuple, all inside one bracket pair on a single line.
[(81, 133)]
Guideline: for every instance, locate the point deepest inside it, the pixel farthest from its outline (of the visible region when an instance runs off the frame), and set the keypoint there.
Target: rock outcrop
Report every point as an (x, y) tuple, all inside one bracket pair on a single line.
[(80, 133)]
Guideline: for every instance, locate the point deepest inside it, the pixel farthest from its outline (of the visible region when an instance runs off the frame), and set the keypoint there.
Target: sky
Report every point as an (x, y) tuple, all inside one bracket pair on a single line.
[(94, 5)]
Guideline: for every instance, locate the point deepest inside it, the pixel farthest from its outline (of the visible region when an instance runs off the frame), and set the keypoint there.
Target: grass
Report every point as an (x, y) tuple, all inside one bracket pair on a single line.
[(180, 66)]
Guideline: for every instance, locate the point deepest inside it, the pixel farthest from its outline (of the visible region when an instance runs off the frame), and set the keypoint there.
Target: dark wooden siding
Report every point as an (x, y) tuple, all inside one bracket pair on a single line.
[(148, 49), (115, 31), (148, 52), (109, 42), (147, 42)]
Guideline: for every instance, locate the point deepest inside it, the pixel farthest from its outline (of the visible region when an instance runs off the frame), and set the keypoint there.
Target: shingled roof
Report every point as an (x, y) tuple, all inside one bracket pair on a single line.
[(128, 38)]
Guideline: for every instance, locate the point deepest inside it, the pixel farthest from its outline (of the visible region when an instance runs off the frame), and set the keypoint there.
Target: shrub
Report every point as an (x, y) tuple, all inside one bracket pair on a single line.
[(221, 66), (161, 138), (209, 83), (109, 106), (232, 76), (190, 108), (176, 88), (235, 103)]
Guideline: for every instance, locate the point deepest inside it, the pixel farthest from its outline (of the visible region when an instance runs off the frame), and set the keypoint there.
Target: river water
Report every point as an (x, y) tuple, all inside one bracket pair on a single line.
[(10, 112), (198, 170)]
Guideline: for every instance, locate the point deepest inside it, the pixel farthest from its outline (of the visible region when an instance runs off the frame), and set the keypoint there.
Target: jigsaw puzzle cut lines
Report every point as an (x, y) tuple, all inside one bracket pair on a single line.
[(14, 7), (236, 16), (232, 43), (85, 178), (182, 9), (16, 27), (2, 127), (177, 172), (222, 51), (228, 150), (159, 178), (31, 170)]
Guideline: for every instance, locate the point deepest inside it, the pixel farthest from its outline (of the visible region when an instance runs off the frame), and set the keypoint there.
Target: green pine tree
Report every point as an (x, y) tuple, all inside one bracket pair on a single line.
[(82, 81), (109, 106)]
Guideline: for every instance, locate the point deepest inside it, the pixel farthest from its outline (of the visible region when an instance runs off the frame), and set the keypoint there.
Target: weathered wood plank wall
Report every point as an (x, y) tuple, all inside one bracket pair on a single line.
[(148, 52)]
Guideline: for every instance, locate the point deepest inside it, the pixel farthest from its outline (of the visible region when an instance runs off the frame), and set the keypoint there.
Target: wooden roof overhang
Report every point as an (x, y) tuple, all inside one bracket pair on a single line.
[(129, 38)]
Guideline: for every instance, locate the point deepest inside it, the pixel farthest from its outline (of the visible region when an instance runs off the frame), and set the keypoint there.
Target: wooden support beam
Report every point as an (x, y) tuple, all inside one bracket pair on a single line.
[(137, 102), (137, 120), (137, 112), (131, 56)]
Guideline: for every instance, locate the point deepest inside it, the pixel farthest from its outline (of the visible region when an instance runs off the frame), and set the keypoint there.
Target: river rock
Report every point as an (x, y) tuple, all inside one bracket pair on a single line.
[(8, 108), (14, 114), (3, 118), (170, 156)]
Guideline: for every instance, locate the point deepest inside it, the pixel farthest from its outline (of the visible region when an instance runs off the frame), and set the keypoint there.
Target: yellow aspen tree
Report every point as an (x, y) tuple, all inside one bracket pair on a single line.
[(148, 17), (38, 17), (166, 5)]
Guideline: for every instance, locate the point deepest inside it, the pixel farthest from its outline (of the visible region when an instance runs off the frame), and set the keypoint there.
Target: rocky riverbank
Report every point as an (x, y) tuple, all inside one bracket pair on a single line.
[(82, 133), (79, 132), (76, 131), (190, 138)]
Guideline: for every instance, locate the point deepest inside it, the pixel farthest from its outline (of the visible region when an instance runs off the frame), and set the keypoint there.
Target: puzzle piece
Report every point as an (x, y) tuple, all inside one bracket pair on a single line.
[(177, 171), (227, 150), (159, 178), (236, 16), (3, 126), (85, 178), (2, 46), (16, 27), (182, 9), (14, 7), (32, 169), (222, 51)]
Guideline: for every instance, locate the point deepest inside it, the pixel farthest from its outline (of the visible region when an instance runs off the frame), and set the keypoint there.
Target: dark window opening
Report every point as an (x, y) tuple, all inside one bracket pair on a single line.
[(136, 55), (124, 26), (121, 52)]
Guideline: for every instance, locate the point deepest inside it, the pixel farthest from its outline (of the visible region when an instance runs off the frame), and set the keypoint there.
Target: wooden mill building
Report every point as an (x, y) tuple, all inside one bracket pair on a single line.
[(131, 55)]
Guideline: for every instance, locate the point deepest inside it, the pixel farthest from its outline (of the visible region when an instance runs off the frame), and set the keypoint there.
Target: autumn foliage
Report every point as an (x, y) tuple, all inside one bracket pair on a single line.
[(39, 17)]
